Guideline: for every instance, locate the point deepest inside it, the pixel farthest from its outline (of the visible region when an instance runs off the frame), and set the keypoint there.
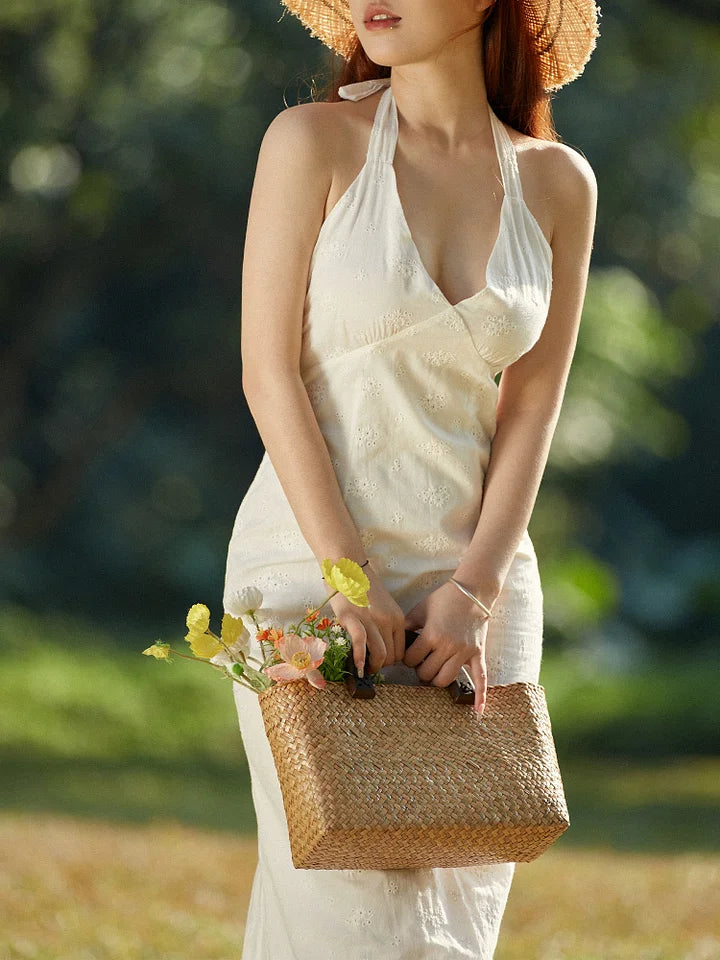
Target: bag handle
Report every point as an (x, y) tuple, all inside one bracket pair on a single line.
[(461, 691)]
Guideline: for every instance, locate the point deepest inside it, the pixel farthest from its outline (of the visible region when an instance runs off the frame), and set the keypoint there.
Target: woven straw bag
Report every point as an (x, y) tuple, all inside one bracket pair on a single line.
[(413, 777)]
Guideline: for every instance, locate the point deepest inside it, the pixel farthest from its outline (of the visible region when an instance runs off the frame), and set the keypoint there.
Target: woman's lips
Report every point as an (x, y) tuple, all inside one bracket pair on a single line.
[(381, 24)]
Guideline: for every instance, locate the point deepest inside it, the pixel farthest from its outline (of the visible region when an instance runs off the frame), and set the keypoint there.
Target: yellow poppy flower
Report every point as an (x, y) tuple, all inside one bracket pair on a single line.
[(203, 645), (160, 651), (232, 629), (198, 618), (348, 578)]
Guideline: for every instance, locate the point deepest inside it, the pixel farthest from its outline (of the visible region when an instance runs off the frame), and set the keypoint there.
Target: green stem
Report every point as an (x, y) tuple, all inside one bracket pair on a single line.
[(186, 657), (313, 613), (221, 642), (246, 657), (217, 667), (261, 642), (227, 649), (243, 683)]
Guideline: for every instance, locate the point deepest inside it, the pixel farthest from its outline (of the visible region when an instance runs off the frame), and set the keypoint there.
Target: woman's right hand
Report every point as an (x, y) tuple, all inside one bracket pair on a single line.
[(379, 628)]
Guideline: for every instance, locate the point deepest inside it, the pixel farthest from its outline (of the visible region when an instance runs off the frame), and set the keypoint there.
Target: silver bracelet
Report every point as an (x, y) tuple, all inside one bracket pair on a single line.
[(472, 596)]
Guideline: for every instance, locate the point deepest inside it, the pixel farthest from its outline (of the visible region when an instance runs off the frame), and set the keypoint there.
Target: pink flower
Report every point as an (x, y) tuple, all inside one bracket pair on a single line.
[(302, 656)]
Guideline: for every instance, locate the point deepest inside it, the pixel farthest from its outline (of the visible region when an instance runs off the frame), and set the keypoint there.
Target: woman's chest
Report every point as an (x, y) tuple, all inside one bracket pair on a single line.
[(368, 280)]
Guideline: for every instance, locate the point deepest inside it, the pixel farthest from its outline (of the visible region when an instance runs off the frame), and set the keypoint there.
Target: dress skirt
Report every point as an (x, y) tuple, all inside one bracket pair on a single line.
[(416, 914)]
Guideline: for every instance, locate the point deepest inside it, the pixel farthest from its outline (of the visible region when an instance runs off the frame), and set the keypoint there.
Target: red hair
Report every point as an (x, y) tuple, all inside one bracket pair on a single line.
[(513, 78)]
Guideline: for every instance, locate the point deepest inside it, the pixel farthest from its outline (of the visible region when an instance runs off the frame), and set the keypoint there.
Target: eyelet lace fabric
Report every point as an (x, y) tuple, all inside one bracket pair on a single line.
[(402, 384)]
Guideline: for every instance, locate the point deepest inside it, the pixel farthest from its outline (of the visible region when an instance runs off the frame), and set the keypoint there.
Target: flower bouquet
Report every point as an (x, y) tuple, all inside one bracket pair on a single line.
[(316, 649)]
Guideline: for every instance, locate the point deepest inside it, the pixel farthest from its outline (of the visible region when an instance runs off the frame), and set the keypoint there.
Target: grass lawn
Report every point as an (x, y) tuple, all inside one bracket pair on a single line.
[(77, 889), (127, 826)]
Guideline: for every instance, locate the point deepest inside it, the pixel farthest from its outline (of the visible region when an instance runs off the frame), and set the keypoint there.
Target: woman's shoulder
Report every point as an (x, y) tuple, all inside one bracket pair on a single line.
[(326, 140), (319, 124), (556, 170), (555, 161), (298, 144)]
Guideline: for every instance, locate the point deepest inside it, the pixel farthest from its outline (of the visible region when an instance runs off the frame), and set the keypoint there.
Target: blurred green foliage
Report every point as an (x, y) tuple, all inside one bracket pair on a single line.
[(130, 131), (88, 726)]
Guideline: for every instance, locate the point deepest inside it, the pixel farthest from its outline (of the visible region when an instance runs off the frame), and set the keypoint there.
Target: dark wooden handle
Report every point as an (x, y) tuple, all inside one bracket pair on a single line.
[(461, 691)]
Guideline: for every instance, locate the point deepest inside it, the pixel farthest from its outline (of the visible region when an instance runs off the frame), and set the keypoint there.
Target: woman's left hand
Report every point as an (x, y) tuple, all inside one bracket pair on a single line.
[(453, 635)]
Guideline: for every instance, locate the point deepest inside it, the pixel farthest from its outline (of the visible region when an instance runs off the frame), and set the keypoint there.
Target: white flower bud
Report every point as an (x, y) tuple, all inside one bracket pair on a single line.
[(245, 601)]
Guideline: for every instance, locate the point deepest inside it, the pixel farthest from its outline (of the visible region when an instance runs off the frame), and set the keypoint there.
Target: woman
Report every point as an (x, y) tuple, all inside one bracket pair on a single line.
[(404, 247)]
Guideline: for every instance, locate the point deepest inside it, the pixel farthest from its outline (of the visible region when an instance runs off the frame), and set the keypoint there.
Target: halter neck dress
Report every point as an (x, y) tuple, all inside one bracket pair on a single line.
[(402, 383)]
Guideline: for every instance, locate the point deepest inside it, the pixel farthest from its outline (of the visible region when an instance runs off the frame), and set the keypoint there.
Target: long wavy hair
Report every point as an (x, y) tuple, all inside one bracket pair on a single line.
[(513, 78)]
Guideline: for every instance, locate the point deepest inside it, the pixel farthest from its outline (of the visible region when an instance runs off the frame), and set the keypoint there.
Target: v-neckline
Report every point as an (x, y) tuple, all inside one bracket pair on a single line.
[(398, 203)]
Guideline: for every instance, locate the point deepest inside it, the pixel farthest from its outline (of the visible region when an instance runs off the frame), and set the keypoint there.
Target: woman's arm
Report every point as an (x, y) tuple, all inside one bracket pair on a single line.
[(292, 181), (531, 389)]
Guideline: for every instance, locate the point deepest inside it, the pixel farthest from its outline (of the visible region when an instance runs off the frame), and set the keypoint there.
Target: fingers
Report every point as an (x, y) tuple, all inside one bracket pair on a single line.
[(417, 651), (478, 674), (378, 629), (377, 647), (391, 631), (441, 669), (398, 642), (433, 665), (358, 640), (365, 637)]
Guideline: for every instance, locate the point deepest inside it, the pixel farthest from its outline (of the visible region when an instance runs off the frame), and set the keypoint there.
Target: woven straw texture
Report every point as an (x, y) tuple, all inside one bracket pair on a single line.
[(565, 32), (412, 779)]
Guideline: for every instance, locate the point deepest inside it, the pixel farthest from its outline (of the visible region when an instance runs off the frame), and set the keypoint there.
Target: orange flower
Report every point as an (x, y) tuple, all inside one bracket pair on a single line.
[(322, 624), (311, 614), (270, 634)]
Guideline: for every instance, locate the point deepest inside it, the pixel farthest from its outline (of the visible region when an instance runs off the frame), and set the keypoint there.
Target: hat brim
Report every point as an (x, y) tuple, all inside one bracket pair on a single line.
[(564, 32)]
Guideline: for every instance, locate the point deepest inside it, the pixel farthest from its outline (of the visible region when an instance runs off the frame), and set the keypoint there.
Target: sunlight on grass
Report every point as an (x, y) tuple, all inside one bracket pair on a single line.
[(92, 729), (661, 806), (81, 890), (602, 905)]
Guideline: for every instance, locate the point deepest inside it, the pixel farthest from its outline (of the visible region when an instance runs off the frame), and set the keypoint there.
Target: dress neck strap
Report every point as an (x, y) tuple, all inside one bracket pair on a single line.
[(362, 88), (507, 157), (384, 135)]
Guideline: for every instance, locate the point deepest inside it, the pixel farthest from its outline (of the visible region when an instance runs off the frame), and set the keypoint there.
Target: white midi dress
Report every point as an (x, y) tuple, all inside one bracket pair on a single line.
[(402, 383)]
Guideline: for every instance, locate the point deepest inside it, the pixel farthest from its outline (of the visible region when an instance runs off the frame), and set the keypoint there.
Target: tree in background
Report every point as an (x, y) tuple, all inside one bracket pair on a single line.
[(130, 131)]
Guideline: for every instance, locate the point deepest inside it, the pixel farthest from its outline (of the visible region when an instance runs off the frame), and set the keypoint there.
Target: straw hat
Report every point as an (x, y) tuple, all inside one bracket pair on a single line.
[(564, 32)]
